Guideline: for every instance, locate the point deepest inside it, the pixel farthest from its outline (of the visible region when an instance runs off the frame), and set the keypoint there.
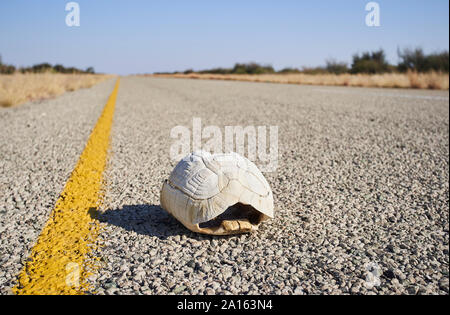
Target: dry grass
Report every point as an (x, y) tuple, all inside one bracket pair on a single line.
[(432, 80), (20, 88)]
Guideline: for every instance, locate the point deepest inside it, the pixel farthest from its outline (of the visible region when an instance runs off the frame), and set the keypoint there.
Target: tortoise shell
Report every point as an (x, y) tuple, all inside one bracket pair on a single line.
[(217, 194)]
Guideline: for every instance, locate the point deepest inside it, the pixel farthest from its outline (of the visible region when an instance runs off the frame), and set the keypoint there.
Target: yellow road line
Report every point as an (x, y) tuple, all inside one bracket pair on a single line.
[(61, 259)]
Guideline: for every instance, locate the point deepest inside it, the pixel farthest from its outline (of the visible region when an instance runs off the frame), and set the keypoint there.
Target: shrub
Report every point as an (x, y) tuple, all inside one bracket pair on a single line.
[(370, 62), (241, 68), (42, 67), (46, 67), (59, 68), (251, 68), (217, 71), (289, 70), (416, 60), (333, 66), (439, 61), (90, 70), (6, 69)]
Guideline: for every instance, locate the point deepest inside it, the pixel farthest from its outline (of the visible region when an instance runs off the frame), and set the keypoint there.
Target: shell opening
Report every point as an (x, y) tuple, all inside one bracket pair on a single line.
[(237, 212)]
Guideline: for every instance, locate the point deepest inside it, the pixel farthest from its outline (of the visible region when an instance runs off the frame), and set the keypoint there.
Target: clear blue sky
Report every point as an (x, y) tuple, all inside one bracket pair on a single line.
[(146, 36)]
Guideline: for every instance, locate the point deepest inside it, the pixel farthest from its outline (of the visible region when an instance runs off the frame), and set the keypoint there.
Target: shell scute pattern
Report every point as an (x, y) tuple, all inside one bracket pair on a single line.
[(203, 186)]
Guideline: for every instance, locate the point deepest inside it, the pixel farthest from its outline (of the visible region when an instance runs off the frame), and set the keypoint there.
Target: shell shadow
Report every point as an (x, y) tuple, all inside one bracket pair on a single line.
[(145, 219)]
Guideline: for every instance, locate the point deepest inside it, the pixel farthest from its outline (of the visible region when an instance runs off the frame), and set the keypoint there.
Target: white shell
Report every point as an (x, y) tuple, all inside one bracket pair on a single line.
[(203, 186)]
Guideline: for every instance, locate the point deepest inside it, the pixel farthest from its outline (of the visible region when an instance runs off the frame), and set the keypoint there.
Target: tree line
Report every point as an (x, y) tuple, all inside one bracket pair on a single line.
[(42, 68), (369, 62)]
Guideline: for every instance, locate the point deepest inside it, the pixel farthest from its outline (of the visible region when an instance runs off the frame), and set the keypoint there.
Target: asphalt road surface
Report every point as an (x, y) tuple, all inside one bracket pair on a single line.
[(361, 190)]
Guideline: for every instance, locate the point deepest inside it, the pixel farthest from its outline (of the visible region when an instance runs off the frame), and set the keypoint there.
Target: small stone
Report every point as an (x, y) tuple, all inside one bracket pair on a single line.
[(400, 275), (206, 268), (305, 219), (298, 290), (109, 285), (389, 274), (227, 273), (412, 290), (191, 263), (391, 249), (179, 289), (157, 261), (444, 285), (215, 286), (355, 289), (111, 291), (210, 291)]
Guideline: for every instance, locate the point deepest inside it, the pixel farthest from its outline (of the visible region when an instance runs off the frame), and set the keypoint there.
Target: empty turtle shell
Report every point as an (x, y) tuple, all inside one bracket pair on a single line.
[(217, 194)]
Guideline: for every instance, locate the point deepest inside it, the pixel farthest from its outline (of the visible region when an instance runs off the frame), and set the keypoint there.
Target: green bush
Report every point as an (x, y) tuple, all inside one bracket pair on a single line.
[(241, 68), (6, 69), (90, 70), (416, 60), (333, 66), (46, 67), (289, 70), (251, 68), (370, 62), (59, 68), (42, 67)]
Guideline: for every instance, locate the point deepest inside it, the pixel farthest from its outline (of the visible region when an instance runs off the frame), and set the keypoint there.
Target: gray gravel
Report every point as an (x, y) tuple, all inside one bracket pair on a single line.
[(40, 143), (361, 192)]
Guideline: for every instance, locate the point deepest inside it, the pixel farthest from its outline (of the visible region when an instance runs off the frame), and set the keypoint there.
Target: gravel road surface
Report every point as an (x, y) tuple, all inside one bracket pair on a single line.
[(361, 191), (40, 144)]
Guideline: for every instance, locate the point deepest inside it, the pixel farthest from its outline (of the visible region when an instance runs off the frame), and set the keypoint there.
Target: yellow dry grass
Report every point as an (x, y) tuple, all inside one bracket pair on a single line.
[(20, 88), (432, 80)]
